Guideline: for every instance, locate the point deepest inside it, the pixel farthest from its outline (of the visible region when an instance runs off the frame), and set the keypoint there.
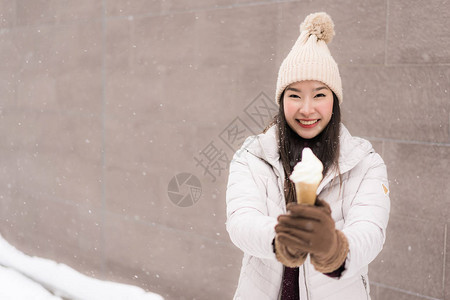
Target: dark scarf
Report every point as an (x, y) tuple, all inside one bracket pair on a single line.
[(290, 288)]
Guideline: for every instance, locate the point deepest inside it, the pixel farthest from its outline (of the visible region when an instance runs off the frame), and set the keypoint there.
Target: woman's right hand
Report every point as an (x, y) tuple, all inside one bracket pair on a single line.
[(289, 257), (308, 228), (311, 229)]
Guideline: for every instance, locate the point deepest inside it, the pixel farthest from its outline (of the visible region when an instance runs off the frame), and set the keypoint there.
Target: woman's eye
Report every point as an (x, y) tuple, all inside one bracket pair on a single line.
[(294, 96), (320, 95)]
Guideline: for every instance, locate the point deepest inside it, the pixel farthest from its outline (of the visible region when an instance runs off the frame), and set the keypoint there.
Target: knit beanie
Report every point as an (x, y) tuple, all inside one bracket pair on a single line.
[(309, 58)]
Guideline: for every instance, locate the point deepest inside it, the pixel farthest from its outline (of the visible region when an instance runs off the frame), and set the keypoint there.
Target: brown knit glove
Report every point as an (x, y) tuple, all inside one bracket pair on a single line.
[(336, 257), (287, 256), (311, 229)]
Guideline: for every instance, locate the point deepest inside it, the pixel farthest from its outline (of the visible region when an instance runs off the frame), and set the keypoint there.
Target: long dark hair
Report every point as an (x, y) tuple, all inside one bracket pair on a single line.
[(325, 145)]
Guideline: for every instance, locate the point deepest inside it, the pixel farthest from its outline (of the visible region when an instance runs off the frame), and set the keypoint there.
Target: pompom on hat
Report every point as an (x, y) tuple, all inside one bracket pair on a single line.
[(310, 58)]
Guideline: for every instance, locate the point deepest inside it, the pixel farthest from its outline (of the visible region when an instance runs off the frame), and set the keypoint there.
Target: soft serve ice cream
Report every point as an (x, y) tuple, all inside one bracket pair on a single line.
[(307, 175)]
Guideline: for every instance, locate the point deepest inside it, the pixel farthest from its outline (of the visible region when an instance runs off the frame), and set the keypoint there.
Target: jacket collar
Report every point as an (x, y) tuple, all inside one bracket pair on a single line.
[(352, 151), (265, 146)]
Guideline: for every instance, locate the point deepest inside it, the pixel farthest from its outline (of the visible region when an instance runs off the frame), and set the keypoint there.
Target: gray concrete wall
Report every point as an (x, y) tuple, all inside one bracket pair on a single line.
[(103, 103)]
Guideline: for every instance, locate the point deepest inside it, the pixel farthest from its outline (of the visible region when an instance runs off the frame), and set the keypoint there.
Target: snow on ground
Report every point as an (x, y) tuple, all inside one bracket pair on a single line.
[(25, 277), (15, 286)]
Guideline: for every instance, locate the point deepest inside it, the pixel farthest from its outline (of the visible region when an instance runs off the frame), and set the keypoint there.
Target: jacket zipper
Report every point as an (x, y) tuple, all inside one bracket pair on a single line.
[(306, 285), (282, 278), (365, 285)]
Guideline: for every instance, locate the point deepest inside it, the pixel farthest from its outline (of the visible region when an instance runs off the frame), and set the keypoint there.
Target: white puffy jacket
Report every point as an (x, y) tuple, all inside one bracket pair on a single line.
[(255, 198)]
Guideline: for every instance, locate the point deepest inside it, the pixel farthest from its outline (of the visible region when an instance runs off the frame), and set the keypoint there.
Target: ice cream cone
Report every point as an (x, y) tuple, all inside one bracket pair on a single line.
[(307, 175), (306, 192)]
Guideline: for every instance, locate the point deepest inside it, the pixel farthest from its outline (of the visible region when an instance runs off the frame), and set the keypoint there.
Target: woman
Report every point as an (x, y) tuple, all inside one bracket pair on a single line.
[(295, 251)]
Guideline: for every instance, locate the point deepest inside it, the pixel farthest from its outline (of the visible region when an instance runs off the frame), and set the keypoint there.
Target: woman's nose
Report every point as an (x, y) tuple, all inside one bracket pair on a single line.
[(307, 107)]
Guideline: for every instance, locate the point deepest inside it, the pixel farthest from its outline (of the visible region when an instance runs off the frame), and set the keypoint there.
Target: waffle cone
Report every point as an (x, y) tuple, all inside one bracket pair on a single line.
[(306, 192)]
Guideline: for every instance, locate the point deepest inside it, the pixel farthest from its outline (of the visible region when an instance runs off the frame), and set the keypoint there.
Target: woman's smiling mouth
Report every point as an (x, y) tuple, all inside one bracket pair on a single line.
[(307, 123)]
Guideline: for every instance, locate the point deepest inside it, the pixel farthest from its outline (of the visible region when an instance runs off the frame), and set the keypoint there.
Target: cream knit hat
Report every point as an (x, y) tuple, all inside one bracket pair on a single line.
[(310, 58)]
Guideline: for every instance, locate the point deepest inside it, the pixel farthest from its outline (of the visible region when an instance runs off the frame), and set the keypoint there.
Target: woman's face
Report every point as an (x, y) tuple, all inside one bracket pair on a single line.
[(308, 106)]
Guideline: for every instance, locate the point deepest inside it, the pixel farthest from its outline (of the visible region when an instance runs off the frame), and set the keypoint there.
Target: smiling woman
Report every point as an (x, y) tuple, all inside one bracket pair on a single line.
[(293, 250), (308, 106)]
